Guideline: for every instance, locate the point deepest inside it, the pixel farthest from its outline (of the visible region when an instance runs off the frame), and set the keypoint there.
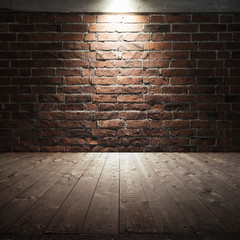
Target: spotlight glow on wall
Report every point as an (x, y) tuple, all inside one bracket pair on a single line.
[(120, 6)]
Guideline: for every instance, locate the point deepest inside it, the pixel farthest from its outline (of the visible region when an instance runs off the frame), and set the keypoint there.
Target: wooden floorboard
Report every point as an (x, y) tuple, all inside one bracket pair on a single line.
[(120, 196)]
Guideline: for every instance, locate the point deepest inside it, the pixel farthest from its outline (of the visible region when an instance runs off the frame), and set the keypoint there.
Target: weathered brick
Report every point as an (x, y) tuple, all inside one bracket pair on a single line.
[(111, 123)]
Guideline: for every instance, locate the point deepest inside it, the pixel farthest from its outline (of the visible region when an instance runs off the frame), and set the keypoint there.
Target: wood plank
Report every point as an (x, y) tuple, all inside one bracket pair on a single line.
[(10, 213), (227, 213), (132, 236), (226, 191), (38, 217), (218, 165), (196, 212), (102, 216), (220, 160), (135, 214), (235, 156), (218, 236), (166, 214), (16, 176), (231, 180), (14, 168), (10, 193), (70, 217), (6, 158)]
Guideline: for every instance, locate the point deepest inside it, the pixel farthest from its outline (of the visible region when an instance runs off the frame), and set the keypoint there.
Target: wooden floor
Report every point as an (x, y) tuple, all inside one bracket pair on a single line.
[(120, 196)]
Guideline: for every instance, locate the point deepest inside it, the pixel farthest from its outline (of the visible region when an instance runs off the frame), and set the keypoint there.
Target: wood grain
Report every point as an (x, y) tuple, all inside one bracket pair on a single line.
[(120, 196)]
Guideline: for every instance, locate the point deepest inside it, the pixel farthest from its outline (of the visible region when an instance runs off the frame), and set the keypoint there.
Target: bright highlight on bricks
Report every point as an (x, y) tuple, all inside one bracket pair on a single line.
[(120, 6)]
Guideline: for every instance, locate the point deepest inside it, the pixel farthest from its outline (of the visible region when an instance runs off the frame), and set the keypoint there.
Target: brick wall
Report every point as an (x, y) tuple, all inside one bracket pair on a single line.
[(119, 83)]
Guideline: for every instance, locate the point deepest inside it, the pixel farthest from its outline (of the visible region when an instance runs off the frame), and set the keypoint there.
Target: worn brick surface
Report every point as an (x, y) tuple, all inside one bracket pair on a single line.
[(153, 82)]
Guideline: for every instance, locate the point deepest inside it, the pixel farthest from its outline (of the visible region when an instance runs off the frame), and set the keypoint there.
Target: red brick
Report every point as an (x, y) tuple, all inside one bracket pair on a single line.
[(157, 98), (138, 37), (77, 80), (125, 18), (137, 123), (156, 132), (103, 46), (79, 115), (111, 123), (130, 47), (185, 115), (177, 37), (130, 98), (128, 64), (156, 124), (104, 80), (210, 63), (134, 55), (108, 55), (156, 140), (108, 89), (129, 80), (155, 64), (157, 37), (182, 63), (69, 37), (233, 46), (211, 46), (135, 141), (69, 18), (78, 98), (134, 90), (75, 46), (51, 115), (71, 141), (156, 80), (157, 18), (74, 27), (107, 72), (177, 18), (90, 37), (106, 115), (43, 18), (21, 46), (202, 72), (133, 72), (128, 27), (78, 133), (103, 132), (89, 18), (204, 37), (130, 132), (177, 124), (64, 72), (184, 27), (137, 106), (110, 107), (175, 55), (174, 72), (21, 28), (104, 98), (159, 115), (157, 46), (205, 18), (75, 63), (110, 37), (48, 28), (213, 27), (185, 46), (102, 28), (203, 55), (132, 115)]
